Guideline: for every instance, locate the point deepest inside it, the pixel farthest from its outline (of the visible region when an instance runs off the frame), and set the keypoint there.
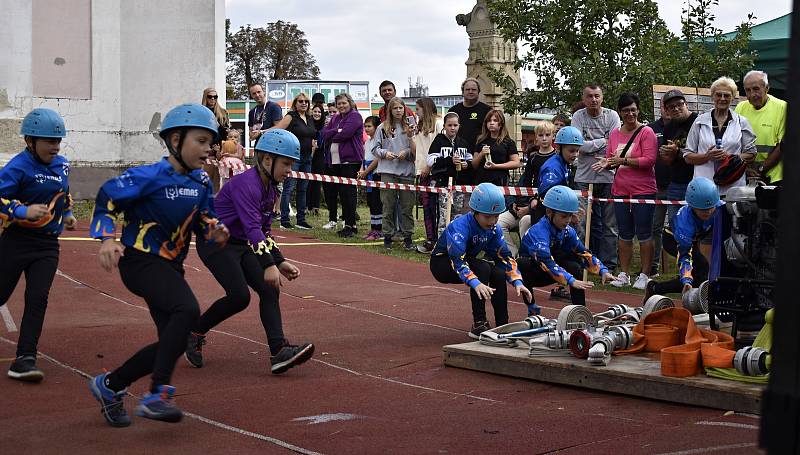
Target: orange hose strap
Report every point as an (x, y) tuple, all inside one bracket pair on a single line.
[(685, 349)]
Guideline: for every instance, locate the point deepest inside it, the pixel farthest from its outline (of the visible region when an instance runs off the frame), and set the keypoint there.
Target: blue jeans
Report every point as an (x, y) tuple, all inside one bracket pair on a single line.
[(676, 191), (603, 239), (302, 165)]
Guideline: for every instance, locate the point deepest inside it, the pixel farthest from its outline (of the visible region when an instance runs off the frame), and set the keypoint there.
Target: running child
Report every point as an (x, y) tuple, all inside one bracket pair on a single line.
[(448, 157), (162, 204), (368, 171), (552, 253), (35, 206), (454, 259), (251, 257), (690, 231)]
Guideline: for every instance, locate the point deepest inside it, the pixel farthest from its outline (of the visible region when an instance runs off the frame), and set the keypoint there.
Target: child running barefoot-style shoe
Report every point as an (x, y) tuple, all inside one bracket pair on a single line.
[(622, 280), (641, 281), (194, 349), (111, 405), (158, 405), (24, 369), (290, 356), (478, 328)]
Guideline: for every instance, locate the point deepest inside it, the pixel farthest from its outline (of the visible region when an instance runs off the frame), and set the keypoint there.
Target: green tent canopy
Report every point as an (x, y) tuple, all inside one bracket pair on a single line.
[(771, 41)]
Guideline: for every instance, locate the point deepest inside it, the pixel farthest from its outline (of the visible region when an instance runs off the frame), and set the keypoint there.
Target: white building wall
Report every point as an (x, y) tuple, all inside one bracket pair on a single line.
[(147, 56)]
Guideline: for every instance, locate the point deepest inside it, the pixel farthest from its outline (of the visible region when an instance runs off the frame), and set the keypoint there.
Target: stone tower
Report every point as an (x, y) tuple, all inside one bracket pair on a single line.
[(488, 49)]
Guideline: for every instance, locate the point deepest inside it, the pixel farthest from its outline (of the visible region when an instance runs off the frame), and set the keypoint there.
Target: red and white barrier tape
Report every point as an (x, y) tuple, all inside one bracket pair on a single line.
[(507, 190)]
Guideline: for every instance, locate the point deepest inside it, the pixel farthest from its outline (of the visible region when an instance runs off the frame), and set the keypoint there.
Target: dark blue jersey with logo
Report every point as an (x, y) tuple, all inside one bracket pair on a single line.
[(25, 181), (161, 208)]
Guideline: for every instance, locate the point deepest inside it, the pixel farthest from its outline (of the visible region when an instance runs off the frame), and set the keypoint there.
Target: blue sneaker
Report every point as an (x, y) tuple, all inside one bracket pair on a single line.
[(111, 405), (159, 406), (534, 309)]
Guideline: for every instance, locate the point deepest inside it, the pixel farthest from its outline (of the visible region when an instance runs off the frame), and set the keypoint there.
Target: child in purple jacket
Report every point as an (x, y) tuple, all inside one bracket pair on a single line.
[(251, 257)]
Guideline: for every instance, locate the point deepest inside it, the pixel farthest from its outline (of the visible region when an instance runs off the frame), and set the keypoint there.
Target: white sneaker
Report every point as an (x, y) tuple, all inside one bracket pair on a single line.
[(622, 280), (641, 281), (329, 225)]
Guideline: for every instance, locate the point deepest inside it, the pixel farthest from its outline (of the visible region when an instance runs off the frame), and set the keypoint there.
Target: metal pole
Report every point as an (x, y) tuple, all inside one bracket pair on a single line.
[(780, 417)]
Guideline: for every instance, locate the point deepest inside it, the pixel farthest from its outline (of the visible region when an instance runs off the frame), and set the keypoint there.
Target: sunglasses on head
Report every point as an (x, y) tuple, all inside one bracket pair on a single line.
[(212, 97)]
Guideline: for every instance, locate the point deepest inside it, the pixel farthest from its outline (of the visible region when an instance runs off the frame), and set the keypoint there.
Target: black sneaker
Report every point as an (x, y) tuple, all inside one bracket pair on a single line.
[(649, 290), (303, 225), (194, 349), (290, 356), (24, 369), (347, 232), (408, 245), (286, 225), (478, 328), (387, 242), (559, 292), (426, 248)]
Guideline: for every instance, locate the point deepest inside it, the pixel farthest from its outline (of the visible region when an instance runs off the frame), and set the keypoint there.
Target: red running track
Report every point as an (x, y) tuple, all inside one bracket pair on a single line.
[(376, 383)]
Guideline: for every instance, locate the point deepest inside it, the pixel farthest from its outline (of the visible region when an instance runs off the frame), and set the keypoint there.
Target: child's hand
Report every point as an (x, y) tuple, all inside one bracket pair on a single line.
[(272, 277), (607, 277), (484, 292), (524, 292), (686, 288), (578, 284), (289, 271), (110, 252), (70, 223)]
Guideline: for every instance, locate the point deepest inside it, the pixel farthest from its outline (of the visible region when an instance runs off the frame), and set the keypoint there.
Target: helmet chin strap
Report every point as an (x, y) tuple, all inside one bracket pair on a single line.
[(268, 174), (176, 153)]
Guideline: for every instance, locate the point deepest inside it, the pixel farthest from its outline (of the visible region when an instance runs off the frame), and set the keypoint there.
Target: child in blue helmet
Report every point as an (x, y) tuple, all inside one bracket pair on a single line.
[(35, 206), (552, 253), (690, 230), (251, 257), (454, 258), (163, 203)]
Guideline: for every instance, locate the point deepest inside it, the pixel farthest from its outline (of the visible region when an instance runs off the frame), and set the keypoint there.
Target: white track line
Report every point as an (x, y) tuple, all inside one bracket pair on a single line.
[(393, 381), (192, 415), (744, 426), (712, 449), (7, 319)]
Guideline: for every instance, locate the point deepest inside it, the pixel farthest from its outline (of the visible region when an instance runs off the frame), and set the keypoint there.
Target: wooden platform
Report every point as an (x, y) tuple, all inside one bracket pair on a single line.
[(637, 375)]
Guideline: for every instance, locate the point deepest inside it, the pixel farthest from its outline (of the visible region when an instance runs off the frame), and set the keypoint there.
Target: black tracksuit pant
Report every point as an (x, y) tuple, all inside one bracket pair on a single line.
[(488, 273), (236, 267), (36, 255), (533, 275)]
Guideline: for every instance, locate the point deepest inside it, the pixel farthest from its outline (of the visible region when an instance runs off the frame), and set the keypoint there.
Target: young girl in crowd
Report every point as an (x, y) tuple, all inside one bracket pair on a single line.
[(449, 157), (496, 152), (551, 252), (368, 171), (35, 206), (454, 258), (231, 157), (395, 150), (428, 126), (162, 204), (319, 114), (251, 257)]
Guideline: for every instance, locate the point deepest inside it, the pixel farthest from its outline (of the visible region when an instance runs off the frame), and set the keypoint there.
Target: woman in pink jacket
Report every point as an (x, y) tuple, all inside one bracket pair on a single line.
[(632, 151)]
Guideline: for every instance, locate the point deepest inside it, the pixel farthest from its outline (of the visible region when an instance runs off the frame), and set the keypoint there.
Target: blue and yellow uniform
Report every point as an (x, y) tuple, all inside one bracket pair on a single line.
[(454, 260), (686, 228), (554, 171), (549, 255), (162, 207), (31, 246), (26, 180)]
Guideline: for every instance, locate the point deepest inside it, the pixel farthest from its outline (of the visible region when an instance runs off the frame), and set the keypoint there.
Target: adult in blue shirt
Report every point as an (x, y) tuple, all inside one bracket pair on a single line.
[(163, 203), (264, 116), (454, 257), (35, 206)]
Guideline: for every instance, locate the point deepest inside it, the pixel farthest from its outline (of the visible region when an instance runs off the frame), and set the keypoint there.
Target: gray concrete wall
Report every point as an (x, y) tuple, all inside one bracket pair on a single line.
[(146, 57)]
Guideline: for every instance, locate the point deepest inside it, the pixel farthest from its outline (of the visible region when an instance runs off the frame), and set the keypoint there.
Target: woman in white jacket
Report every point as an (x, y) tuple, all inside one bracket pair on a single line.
[(428, 126), (720, 124)]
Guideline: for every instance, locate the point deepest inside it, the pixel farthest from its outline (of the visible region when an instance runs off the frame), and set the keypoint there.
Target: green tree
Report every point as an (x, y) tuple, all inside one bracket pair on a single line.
[(622, 44), (278, 51)]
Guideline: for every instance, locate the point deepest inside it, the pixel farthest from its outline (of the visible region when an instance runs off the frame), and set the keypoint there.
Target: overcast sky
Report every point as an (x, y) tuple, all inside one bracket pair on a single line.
[(377, 40)]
